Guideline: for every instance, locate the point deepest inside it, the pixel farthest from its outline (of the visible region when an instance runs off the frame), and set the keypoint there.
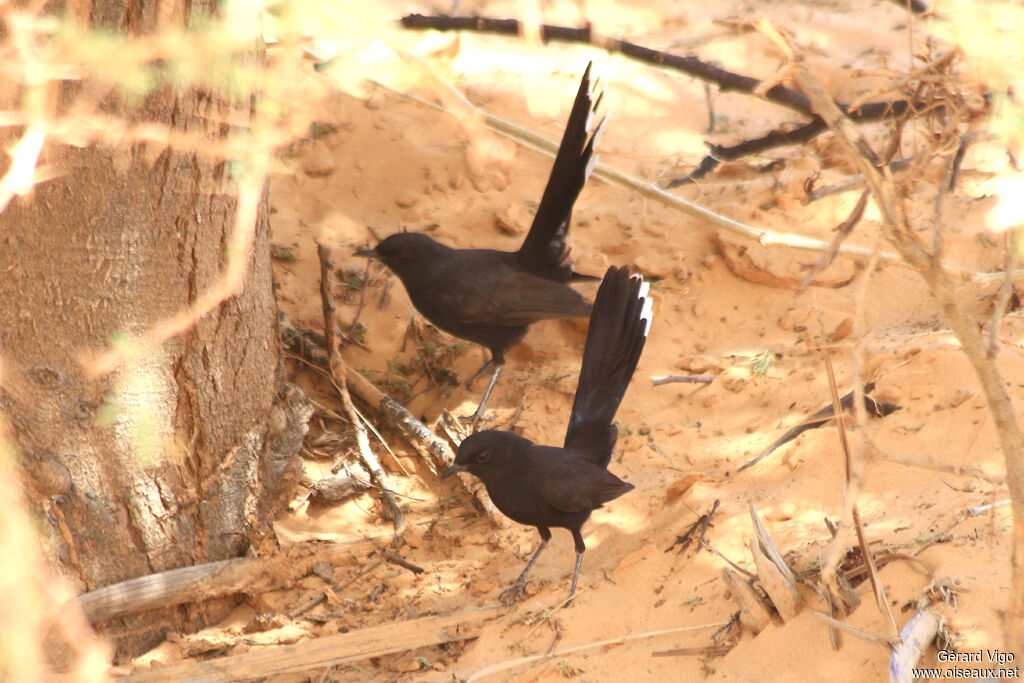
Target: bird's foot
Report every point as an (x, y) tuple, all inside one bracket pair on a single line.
[(513, 593)]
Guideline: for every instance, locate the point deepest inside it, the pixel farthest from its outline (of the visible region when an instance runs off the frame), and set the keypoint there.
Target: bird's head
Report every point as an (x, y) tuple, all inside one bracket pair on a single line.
[(489, 453), (402, 251)]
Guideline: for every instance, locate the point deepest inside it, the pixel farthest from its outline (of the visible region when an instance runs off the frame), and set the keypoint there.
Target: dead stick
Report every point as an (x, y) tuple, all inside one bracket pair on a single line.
[(402, 562), (433, 448), (689, 64), (690, 379), (338, 374), (199, 582)]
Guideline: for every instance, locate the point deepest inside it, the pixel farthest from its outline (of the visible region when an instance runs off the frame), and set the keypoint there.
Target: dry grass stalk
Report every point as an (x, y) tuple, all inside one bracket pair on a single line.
[(852, 477)]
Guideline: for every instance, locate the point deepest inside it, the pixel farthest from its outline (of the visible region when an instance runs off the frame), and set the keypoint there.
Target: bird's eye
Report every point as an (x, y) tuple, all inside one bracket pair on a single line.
[(482, 456)]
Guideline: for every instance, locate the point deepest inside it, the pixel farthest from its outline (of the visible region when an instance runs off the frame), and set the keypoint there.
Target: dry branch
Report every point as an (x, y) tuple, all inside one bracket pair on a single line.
[(433, 448), (435, 451), (338, 375), (725, 80), (902, 235), (328, 651), (202, 582)]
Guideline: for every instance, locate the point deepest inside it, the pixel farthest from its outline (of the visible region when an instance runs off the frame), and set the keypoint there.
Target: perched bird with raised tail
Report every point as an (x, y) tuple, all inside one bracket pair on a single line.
[(547, 486), (490, 297)]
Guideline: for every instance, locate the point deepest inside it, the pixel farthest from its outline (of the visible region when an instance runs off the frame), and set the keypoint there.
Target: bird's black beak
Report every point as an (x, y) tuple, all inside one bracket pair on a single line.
[(369, 253), (452, 470)]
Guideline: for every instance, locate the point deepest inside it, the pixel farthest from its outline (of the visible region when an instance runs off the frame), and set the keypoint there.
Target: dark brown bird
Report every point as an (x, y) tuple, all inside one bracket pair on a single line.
[(490, 297), (547, 486)]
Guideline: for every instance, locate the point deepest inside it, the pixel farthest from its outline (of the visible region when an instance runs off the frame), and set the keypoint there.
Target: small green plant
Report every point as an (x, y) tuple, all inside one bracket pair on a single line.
[(762, 364)]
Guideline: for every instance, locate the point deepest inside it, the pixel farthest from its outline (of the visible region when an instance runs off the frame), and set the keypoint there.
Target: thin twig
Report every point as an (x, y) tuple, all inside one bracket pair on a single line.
[(688, 379), (843, 230), (402, 562)]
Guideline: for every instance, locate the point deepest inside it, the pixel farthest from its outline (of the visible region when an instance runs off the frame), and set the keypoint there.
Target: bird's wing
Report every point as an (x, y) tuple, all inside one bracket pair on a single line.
[(576, 485), (514, 299), (545, 250), (615, 339)]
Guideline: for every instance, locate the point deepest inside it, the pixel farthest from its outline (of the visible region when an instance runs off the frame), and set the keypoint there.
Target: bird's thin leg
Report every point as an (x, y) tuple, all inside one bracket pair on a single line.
[(515, 591), (581, 547), (575, 578), (483, 401)]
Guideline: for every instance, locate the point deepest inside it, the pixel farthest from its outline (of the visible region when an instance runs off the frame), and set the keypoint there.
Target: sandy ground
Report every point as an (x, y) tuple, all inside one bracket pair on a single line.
[(381, 164)]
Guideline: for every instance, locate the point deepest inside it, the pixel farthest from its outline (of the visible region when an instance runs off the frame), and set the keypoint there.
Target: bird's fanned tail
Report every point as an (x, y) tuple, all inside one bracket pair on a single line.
[(545, 251), (618, 330)]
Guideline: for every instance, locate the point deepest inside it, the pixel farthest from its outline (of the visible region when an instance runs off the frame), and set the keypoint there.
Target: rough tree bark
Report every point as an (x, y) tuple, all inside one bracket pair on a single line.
[(123, 238)]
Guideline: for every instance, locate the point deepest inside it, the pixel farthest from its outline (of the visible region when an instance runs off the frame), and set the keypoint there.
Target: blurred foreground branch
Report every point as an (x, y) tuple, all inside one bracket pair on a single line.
[(901, 234)]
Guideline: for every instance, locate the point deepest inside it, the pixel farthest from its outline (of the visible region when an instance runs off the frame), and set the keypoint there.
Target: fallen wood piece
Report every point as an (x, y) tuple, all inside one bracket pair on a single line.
[(753, 613), (202, 582), (781, 592), (327, 651), (768, 546), (337, 487)]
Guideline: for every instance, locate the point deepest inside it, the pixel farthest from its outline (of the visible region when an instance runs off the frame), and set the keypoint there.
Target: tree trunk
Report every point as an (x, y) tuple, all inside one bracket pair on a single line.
[(170, 461)]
